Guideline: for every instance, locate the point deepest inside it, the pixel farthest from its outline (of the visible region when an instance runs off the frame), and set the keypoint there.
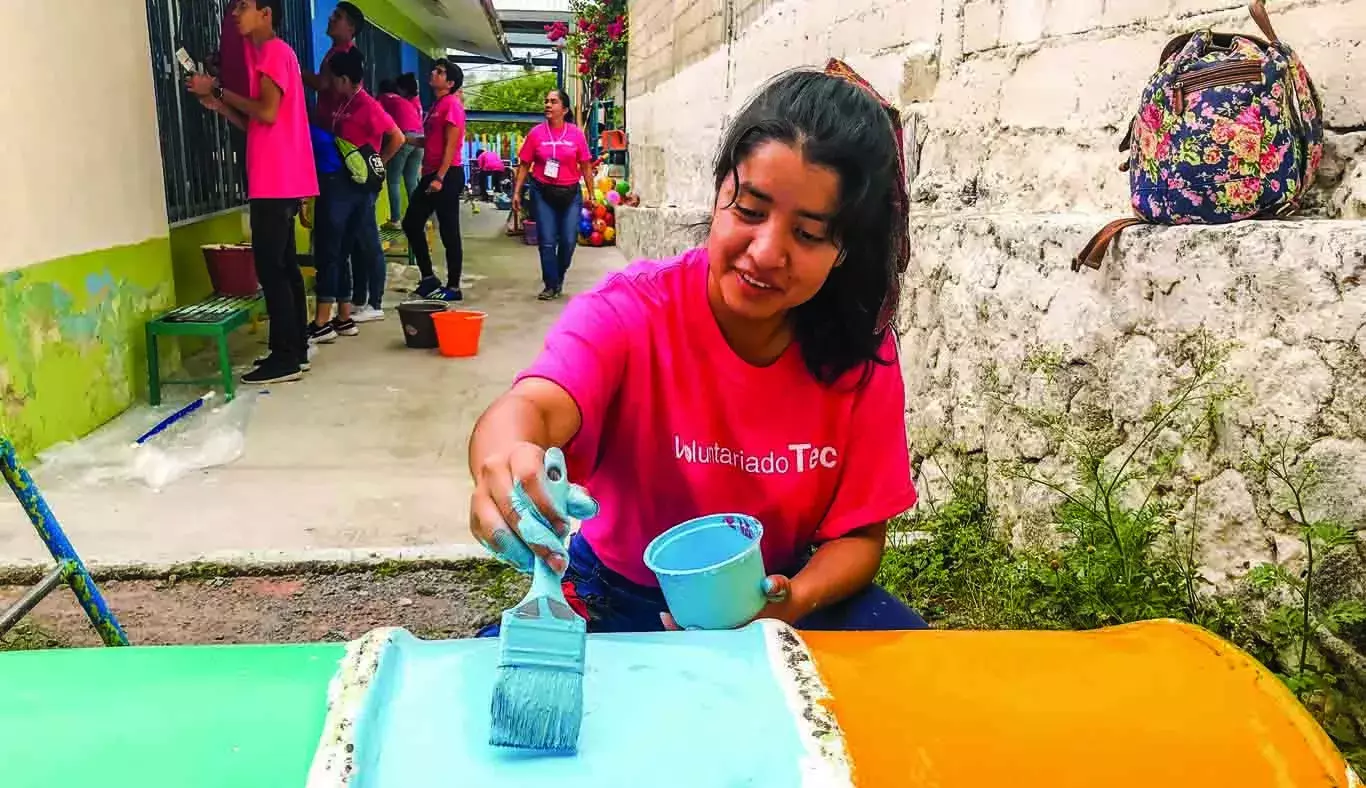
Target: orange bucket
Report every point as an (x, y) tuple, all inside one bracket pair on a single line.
[(457, 332)]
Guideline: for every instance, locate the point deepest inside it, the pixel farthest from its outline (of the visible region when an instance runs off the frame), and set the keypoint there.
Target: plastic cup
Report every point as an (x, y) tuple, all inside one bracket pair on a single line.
[(710, 570)]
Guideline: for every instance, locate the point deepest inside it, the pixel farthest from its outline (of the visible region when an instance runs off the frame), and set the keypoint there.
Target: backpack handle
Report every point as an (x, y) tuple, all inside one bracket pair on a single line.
[(1258, 10)]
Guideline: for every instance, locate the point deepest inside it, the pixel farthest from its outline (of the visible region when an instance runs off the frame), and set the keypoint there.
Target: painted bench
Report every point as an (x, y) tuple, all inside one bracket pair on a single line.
[(1150, 704), (213, 318)]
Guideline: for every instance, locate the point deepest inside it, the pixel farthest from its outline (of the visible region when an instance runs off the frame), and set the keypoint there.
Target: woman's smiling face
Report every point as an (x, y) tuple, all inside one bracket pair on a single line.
[(770, 246)]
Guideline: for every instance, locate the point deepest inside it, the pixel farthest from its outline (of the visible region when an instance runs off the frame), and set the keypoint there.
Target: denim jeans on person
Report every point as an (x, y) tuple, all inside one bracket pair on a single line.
[(611, 603), (446, 205), (282, 284), (557, 230), (403, 173)]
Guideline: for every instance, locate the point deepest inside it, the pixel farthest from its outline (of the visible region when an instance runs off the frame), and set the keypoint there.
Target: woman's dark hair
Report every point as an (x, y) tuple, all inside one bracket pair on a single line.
[(454, 74), (835, 124), (348, 63), (564, 101), (388, 86), (277, 16), (407, 84), (354, 14)]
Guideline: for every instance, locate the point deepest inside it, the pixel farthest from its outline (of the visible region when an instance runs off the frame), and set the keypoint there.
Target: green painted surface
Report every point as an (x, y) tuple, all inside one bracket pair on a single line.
[(191, 273), (163, 717), (72, 329), (387, 16)]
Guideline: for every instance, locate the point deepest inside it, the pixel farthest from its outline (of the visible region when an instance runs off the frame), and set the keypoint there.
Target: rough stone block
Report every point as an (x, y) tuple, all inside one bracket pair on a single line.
[(1022, 21), (1072, 16), (1195, 7), (1127, 12), (1083, 84), (1330, 40), (1000, 291), (981, 25), (657, 233)]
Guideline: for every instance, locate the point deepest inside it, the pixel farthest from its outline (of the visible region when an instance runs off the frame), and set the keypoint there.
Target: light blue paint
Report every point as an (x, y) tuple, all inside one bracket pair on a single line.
[(710, 570), (661, 709), (538, 700)]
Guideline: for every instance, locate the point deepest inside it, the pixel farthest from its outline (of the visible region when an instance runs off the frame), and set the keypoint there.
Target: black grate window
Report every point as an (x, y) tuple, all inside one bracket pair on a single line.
[(383, 56), (203, 172)]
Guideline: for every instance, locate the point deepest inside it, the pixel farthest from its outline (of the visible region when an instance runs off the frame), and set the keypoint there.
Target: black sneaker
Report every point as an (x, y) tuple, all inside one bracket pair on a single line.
[(321, 334), (346, 328), (547, 294), (426, 287), (273, 370)]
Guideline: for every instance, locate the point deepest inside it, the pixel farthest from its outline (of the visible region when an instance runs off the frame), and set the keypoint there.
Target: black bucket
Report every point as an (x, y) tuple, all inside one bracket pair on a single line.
[(416, 318)]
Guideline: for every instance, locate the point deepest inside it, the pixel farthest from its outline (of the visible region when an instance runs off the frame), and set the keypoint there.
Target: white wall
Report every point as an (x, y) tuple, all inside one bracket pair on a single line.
[(78, 127)]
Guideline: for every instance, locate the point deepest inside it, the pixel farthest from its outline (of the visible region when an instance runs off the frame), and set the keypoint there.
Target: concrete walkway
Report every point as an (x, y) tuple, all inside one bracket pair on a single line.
[(366, 456)]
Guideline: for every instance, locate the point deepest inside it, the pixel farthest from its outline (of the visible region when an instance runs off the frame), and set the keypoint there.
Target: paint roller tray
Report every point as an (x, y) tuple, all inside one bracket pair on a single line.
[(697, 708)]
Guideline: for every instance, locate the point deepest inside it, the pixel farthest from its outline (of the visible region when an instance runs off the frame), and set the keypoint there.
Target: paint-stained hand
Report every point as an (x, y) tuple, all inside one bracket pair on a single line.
[(778, 592), (522, 504)]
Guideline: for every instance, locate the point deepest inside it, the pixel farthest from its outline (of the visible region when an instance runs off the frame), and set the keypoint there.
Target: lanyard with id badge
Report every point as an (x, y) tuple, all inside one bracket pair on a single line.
[(552, 162)]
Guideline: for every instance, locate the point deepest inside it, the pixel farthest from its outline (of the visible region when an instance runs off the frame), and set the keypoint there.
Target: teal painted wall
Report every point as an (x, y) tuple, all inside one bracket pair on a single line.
[(72, 353)]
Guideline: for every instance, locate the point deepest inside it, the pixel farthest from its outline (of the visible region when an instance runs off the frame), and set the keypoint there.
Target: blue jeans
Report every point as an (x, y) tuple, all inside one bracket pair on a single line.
[(615, 604), (557, 230), (404, 171), (345, 228)]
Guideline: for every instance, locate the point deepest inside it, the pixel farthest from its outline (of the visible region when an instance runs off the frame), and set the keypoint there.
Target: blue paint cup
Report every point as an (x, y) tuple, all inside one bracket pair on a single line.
[(711, 570)]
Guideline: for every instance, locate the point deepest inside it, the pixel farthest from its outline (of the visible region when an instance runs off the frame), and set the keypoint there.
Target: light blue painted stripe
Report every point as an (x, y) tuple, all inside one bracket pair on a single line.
[(661, 709)]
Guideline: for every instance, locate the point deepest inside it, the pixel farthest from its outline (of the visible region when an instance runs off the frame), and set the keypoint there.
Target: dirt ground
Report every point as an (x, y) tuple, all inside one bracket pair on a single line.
[(431, 603)]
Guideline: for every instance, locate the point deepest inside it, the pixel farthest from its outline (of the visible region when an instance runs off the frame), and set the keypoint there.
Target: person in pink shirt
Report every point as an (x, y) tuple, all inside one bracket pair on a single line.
[(343, 26), (280, 173), (490, 168), (757, 374), (406, 168), (554, 155), (345, 226), (443, 179)]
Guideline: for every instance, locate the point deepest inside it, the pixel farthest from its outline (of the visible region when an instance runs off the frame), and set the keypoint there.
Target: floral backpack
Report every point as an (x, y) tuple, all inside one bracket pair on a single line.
[(1229, 128)]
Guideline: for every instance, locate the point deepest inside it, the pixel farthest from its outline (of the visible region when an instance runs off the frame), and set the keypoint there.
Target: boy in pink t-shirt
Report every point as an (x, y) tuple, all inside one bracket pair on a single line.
[(756, 375), (279, 174), (443, 179)]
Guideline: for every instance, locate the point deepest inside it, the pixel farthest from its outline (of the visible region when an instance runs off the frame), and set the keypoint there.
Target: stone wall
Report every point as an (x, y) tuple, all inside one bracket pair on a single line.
[(1014, 109)]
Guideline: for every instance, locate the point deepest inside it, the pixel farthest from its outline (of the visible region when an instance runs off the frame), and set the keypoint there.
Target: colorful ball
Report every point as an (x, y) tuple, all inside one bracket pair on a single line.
[(599, 224), (599, 211), (613, 198), (623, 188), (611, 220), (609, 235), (586, 226), (585, 214), (595, 239)]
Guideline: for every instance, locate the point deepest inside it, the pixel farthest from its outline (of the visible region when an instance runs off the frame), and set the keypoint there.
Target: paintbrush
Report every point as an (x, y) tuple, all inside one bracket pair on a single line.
[(538, 694)]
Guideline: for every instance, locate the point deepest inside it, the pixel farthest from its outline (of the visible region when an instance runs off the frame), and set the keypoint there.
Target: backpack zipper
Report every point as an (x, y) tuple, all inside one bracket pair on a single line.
[(1222, 75)]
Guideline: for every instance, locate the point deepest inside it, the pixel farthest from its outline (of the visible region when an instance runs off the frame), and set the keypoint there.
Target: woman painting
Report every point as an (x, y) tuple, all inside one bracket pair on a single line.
[(555, 155), (755, 374)]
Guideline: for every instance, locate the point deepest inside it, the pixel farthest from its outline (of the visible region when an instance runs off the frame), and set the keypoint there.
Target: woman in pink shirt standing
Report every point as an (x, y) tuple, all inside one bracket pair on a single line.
[(757, 374), (555, 156), (443, 179), (406, 168)]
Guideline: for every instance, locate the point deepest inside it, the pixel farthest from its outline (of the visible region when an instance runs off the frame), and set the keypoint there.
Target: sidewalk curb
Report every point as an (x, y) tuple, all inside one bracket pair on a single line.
[(237, 563)]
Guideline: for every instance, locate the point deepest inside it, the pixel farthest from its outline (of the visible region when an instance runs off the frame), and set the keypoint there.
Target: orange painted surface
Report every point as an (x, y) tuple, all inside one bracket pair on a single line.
[(1156, 704)]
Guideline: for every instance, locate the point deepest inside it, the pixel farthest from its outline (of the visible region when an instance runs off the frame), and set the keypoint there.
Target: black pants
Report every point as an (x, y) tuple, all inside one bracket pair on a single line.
[(277, 266), (446, 205)]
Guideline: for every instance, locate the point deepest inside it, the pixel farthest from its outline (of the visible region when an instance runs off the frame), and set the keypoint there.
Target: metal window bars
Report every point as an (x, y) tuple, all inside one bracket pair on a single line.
[(204, 172)]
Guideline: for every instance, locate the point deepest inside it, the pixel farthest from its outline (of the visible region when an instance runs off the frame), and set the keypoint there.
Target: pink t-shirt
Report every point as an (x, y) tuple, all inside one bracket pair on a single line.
[(360, 120), (408, 117), (568, 146), (677, 426), (490, 161), (447, 111), (280, 154)]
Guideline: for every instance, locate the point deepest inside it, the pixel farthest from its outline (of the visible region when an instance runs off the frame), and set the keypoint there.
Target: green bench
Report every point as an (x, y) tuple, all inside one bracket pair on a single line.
[(214, 318), (390, 238)]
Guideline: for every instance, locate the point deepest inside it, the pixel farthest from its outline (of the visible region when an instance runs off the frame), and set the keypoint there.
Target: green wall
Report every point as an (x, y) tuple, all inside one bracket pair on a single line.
[(191, 273), (72, 350)]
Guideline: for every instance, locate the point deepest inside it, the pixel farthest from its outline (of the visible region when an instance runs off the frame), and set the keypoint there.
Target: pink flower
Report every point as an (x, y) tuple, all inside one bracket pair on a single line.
[(1277, 90), (583, 23), (617, 29), (1251, 118), (1213, 156), (1151, 117), (1223, 131), (1247, 147), (1271, 160)]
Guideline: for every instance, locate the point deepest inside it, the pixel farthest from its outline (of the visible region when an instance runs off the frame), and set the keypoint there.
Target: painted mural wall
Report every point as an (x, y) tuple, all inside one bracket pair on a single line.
[(85, 257)]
